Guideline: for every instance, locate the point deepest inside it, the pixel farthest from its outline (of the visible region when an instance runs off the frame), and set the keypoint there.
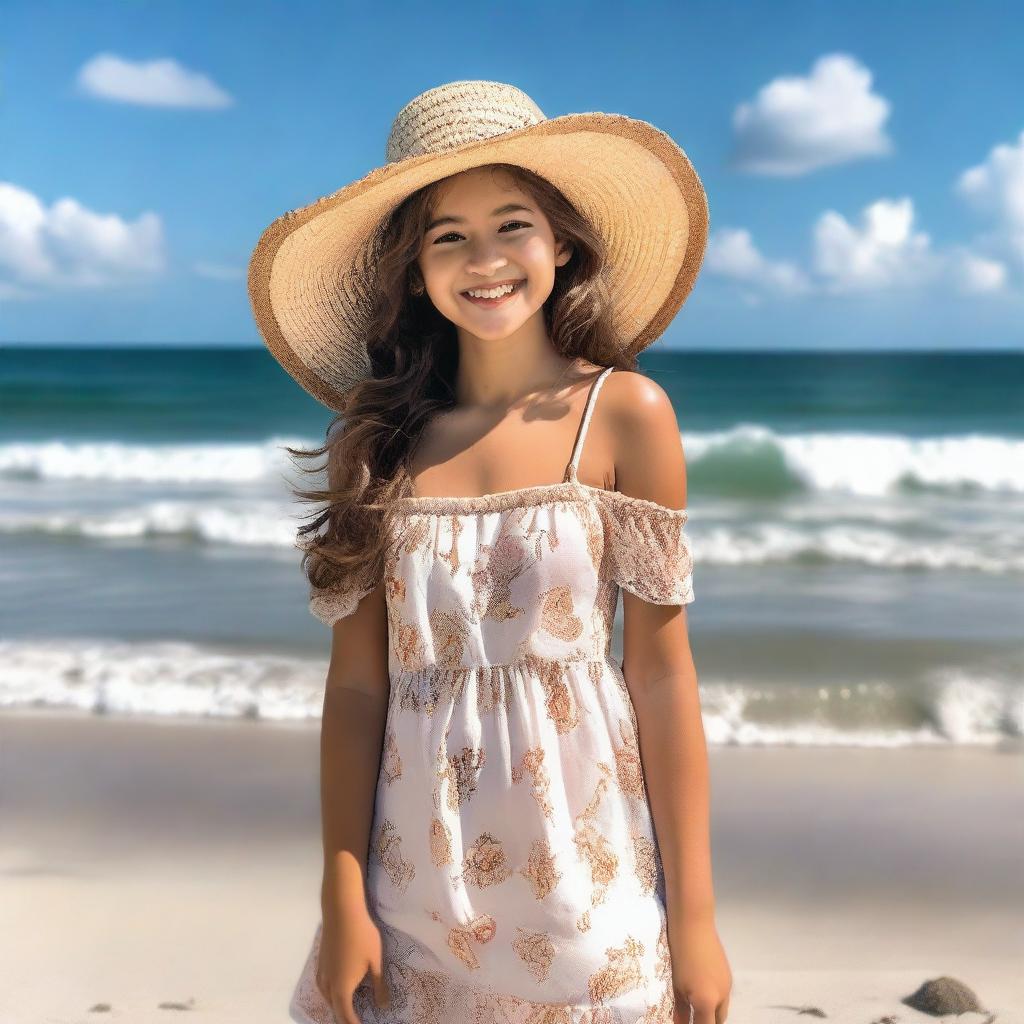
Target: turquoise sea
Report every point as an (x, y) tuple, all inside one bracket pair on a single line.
[(857, 522)]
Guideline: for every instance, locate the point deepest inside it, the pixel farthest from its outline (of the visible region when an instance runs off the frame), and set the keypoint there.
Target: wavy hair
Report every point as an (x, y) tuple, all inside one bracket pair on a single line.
[(413, 355)]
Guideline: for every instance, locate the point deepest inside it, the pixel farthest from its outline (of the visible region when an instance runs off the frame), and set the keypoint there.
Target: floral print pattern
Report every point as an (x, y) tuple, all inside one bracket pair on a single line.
[(513, 866)]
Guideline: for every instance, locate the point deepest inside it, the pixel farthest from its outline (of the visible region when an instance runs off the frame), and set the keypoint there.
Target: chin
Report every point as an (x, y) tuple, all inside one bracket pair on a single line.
[(496, 334)]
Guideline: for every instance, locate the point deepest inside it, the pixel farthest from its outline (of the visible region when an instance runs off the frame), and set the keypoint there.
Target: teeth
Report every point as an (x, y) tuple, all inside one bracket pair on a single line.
[(492, 293)]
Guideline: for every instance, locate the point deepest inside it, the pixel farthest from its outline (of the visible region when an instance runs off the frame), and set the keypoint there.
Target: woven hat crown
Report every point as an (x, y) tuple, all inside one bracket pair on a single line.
[(450, 115)]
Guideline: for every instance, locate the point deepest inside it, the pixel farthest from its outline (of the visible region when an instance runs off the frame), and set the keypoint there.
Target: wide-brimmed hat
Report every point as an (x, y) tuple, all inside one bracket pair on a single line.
[(312, 272)]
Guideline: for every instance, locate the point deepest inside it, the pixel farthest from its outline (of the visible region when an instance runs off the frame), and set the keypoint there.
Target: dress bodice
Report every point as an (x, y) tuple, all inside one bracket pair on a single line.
[(531, 574)]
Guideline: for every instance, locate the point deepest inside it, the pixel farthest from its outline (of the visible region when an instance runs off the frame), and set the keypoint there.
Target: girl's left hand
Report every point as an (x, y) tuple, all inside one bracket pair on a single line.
[(700, 972)]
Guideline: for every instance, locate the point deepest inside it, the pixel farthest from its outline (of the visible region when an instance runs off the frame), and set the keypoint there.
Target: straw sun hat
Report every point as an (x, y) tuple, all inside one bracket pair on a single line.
[(311, 274)]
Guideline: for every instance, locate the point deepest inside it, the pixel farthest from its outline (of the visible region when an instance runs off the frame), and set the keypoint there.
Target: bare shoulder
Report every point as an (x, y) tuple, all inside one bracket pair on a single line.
[(648, 447), (639, 403)]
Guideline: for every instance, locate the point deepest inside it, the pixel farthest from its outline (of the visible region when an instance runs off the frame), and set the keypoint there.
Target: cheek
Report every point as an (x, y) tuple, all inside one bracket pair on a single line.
[(440, 267), (536, 252)]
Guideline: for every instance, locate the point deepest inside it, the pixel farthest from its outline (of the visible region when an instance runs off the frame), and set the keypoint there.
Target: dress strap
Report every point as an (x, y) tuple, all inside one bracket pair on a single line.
[(581, 433)]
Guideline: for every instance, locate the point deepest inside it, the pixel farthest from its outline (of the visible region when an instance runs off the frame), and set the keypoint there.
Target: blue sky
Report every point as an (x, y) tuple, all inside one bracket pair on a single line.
[(864, 162)]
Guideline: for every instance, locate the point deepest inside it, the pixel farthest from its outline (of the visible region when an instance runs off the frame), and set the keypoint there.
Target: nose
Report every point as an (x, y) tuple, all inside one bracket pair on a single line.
[(484, 260)]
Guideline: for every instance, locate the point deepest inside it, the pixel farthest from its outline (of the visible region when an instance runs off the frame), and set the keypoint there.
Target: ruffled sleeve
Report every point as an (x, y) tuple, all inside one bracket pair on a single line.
[(648, 548), (329, 604), (334, 602)]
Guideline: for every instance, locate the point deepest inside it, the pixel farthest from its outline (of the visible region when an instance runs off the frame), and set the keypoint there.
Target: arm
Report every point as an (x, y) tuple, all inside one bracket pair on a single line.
[(657, 662), (351, 741), (662, 681)]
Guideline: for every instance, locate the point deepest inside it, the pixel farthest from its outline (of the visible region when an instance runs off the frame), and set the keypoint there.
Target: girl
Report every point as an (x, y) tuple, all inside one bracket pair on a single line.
[(490, 778)]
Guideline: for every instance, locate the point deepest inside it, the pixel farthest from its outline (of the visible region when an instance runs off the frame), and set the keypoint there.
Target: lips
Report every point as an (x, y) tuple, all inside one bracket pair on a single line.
[(501, 298), (494, 284)]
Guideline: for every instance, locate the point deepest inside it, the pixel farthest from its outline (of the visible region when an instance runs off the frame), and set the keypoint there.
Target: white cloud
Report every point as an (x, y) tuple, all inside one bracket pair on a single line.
[(883, 251), (155, 83), (996, 188), (798, 124), (731, 253), (70, 246), (976, 274), (998, 183), (218, 271)]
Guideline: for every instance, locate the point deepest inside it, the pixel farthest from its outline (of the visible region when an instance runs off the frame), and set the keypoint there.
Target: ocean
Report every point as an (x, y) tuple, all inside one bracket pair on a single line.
[(857, 523)]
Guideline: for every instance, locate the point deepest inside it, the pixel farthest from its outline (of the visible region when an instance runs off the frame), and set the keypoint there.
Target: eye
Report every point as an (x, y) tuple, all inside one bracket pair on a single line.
[(448, 234)]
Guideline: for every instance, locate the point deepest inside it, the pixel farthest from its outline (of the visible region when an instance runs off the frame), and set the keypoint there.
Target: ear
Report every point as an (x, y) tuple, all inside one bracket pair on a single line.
[(563, 254)]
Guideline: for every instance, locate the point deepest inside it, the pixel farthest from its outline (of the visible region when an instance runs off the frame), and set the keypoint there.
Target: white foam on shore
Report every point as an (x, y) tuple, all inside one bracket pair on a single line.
[(256, 523), (184, 680), (851, 462)]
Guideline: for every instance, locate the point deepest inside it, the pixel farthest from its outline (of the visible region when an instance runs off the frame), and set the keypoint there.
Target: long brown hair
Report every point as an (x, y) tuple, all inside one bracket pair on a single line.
[(413, 354)]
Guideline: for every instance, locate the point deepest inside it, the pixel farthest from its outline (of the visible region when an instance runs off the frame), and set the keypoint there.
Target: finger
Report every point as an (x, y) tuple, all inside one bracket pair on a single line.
[(344, 1011), (323, 982), (723, 1011), (324, 989), (381, 993), (703, 1011)]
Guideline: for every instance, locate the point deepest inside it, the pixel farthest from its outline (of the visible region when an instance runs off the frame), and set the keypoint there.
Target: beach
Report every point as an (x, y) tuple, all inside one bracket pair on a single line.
[(856, 631), (147, 861)]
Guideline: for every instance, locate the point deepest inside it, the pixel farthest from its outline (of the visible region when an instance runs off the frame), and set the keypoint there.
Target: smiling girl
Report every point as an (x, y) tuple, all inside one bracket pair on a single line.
[(515, 826)]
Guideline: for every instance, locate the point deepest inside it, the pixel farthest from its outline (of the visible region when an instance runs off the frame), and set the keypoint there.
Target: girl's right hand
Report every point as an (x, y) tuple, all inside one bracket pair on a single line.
[(350, 946)]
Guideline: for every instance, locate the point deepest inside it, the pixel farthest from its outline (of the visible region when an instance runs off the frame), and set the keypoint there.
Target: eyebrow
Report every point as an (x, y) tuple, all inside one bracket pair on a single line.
[(507, 208)]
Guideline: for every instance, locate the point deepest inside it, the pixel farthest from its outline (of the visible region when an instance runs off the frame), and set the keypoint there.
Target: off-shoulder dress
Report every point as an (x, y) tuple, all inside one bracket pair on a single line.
[(513, 866)]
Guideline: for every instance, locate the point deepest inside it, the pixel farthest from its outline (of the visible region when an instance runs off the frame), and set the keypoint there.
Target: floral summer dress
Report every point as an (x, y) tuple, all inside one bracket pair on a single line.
[(513, 866)]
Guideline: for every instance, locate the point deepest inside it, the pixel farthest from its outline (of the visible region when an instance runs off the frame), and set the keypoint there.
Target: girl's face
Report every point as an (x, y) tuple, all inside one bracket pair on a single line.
[(486, 232)]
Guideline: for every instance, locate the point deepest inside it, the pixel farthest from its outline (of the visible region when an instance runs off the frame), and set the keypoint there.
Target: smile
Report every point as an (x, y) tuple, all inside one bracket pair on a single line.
[(498, 299)]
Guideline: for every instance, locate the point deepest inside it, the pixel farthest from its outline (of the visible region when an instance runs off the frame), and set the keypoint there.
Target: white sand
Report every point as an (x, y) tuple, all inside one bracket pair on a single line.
[(144, 861)]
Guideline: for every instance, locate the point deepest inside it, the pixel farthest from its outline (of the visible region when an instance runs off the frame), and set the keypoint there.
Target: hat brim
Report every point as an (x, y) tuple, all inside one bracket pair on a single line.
[(311, 271)]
